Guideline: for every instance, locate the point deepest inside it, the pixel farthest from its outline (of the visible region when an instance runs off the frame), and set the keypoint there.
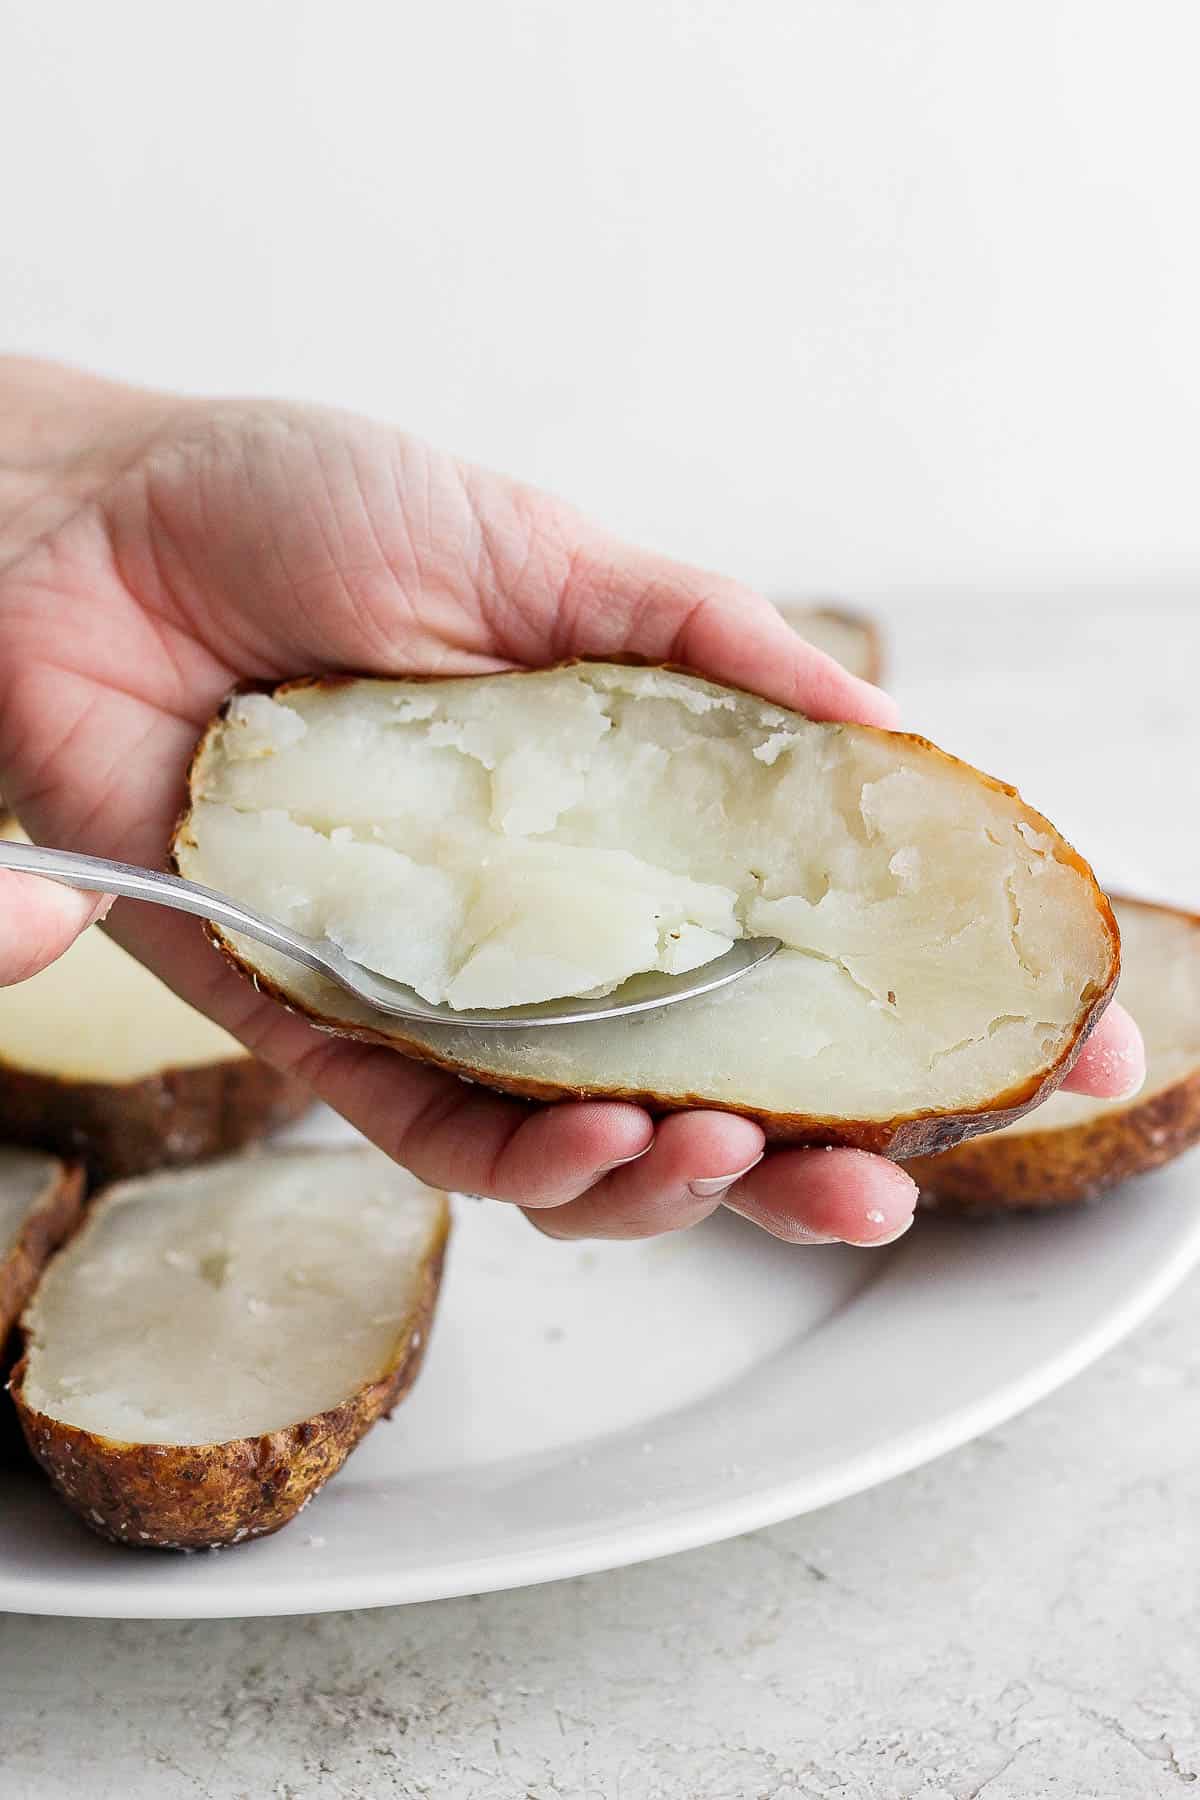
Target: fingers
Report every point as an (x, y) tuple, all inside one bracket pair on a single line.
[(596, 1169), (556, 1161), (450, 1133), (453, 1134), (803, 1196), (540, 1156), (578, 1168), (1112, 1064), (38, 921), (741, 639), (553, 585), (620, 599), (604, 1169), (693, 1161), (828, 1196)]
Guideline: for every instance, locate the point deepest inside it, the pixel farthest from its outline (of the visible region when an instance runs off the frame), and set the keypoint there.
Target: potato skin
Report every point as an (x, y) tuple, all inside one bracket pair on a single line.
[(167, 1120), (48, 1224), (1061, 1168), (900, 1138), (46, 1227), (919, 1133), (208, 1496)]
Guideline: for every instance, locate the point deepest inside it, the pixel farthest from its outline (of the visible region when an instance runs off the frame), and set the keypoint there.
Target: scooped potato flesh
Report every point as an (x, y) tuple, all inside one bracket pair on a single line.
[(509, 838), (271, 1289)]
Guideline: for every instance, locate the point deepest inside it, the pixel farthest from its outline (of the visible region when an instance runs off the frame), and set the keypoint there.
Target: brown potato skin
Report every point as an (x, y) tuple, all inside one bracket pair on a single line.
[(209, 1496), (167, 1120), (48, 1225), (796, 611), (1061, 1168), (908, 1135)]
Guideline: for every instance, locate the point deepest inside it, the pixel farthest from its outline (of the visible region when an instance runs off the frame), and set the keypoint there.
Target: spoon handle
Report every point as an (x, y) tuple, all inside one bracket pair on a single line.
[(96, 874)]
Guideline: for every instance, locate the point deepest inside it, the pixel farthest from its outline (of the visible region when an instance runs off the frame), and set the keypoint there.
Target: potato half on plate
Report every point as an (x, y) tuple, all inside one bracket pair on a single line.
[(851, 638), (507, 838), (212, 1344), (41, 1200), (100, 1061), (1073, 1148)]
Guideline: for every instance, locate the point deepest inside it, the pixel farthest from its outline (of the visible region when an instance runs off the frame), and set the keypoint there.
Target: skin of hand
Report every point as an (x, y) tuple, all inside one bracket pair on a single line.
[(156, 550)]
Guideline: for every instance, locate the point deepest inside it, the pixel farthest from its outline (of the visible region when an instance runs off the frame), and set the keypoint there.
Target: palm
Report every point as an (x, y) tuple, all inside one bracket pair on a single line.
[(203, 545)]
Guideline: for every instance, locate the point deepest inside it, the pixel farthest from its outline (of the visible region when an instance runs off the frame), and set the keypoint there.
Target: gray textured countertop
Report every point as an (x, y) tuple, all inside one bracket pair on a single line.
[(1020, 1619)]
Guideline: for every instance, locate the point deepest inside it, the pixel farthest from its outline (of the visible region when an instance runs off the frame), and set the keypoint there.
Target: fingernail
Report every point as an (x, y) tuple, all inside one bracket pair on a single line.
[(607, 1168), (879, 1243), (1137, 1078), (886, 705), (800, 1234), (712, 1187), (1125, 1066)]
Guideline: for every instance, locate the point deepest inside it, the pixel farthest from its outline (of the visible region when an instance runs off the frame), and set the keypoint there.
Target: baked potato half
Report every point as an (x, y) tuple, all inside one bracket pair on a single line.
[(41, 1200), (507, 838), (1074, 1148), (212, 1344), (100, 1062)]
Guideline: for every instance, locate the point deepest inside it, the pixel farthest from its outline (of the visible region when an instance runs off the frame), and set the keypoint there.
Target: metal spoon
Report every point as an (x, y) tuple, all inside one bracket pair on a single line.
[(641, 993)]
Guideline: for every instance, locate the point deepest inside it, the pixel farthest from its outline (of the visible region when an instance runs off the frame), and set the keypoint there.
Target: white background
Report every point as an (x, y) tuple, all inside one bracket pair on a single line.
[(840, 296)]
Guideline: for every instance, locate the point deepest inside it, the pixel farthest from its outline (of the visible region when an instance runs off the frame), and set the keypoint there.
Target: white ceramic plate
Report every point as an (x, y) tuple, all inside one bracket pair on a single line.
[(584, 1407)]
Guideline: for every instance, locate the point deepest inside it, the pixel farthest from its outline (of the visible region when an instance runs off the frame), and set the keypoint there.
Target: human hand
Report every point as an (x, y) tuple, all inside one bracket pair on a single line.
[(154, 551)]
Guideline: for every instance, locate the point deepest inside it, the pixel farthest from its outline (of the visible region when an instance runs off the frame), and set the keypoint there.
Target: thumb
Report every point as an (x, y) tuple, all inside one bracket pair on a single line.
[(38, 921)]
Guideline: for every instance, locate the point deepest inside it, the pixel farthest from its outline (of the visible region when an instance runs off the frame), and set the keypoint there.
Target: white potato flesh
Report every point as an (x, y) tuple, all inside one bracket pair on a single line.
[(504, 839), (26, 1177), (1160, 986), (492, 857), (271, 1288)]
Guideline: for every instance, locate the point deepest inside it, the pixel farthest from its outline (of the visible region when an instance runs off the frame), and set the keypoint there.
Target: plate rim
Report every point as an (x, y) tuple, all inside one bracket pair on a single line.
[(612, 1547)]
